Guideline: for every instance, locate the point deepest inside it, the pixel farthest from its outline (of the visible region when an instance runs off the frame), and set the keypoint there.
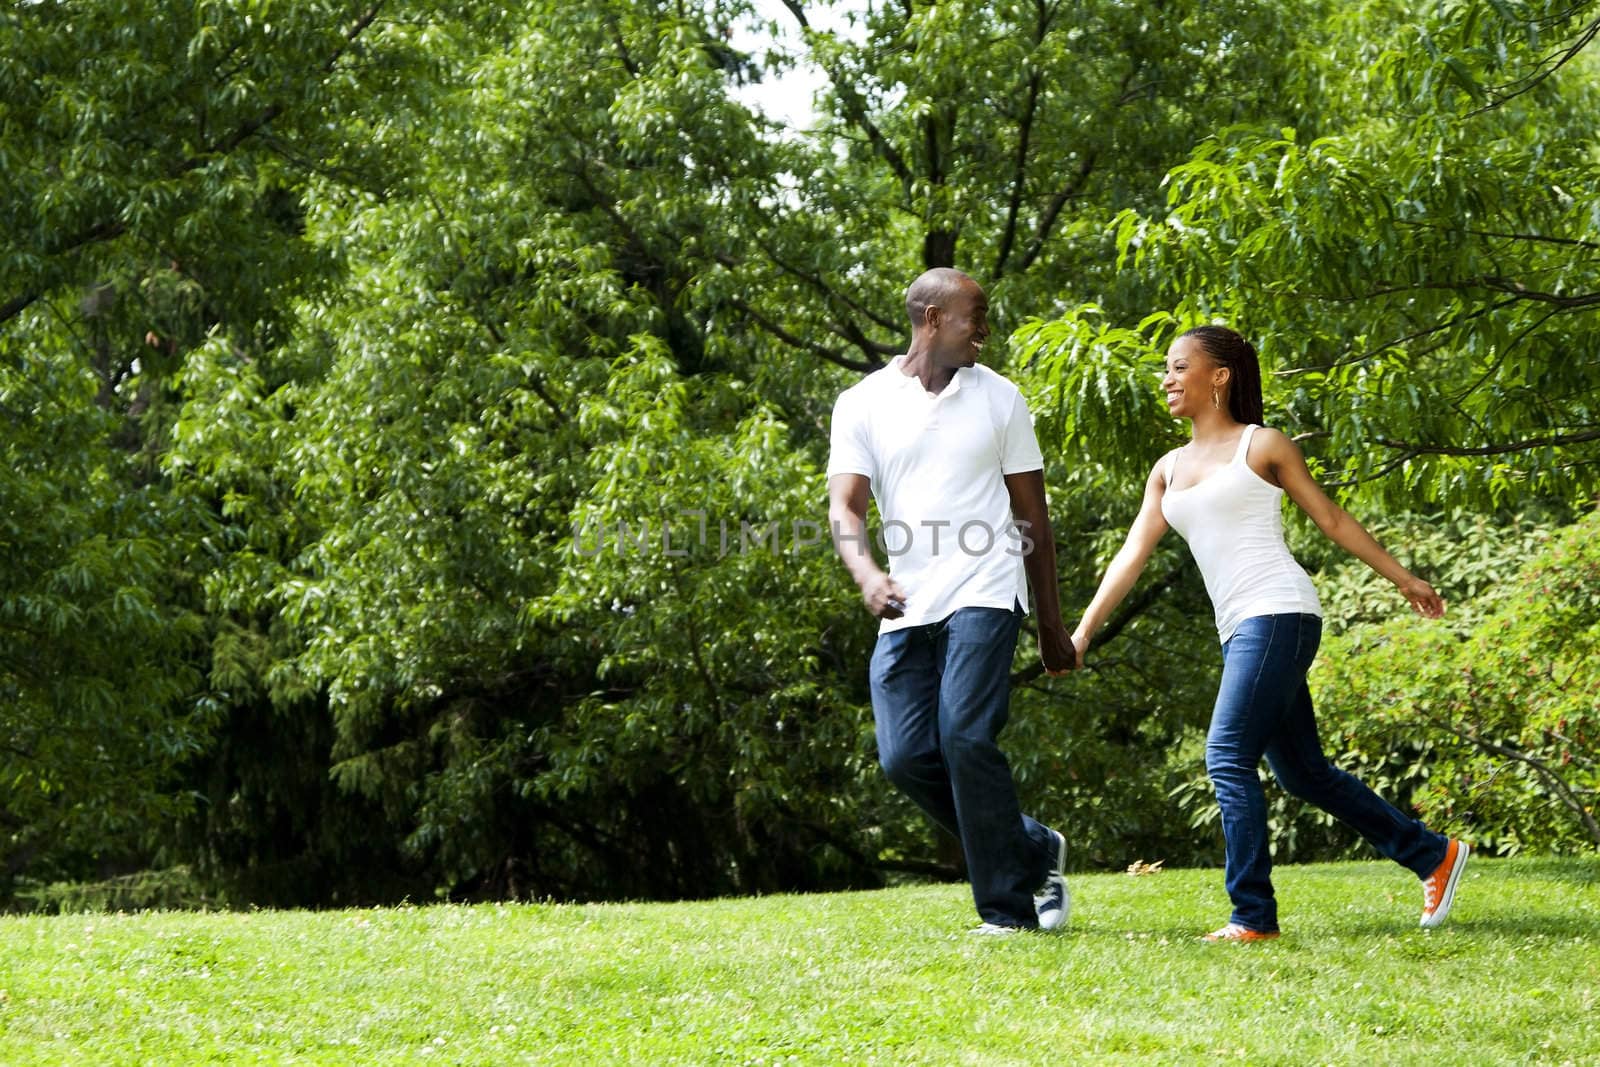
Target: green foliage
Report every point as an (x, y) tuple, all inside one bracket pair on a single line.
[(1502, 703), (1415, 256), (172, 889), (594, 294), (332, 332), (155, 159), (101, 703)]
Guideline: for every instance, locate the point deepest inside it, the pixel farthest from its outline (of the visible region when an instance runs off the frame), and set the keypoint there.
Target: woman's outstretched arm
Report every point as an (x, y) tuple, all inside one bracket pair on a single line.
[(1128, 563), (1288, 468)]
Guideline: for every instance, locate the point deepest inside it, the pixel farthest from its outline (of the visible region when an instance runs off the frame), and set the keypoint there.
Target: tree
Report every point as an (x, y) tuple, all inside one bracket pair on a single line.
[(1416, 260), (590, 226), (153, 158), (469, 371), (100, 694)]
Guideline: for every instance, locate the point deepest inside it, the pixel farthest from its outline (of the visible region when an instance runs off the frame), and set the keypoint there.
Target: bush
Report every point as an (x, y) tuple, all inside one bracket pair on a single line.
[(1490, 726)]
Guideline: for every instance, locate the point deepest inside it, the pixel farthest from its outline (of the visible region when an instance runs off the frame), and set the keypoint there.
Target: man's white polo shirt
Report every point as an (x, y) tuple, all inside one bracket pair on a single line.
[(937, 467)]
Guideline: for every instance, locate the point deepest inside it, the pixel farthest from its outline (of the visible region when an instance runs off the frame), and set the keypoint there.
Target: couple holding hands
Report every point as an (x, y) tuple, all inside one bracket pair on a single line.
[(946, 447)]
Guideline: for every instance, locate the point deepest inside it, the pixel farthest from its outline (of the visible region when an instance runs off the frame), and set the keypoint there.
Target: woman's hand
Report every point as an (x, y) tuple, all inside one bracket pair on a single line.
[(1424, 600)]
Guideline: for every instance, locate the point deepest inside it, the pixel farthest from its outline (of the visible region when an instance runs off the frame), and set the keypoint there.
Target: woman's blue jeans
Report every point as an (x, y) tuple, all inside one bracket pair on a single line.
[(940, 697), (1264, 709)]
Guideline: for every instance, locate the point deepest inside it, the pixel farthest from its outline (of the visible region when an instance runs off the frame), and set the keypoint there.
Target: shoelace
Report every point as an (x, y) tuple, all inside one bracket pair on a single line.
[(1429, 891)]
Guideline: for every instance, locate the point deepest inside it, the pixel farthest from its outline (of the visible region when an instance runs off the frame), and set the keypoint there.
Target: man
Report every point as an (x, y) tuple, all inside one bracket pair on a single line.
[(947, 448)]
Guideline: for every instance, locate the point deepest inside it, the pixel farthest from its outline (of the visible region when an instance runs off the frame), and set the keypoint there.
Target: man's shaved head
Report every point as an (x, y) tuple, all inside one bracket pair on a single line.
[(934, 288)]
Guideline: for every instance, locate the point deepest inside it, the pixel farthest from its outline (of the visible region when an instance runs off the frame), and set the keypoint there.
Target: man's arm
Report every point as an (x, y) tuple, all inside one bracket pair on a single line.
[(847, 519), (1028, 505)]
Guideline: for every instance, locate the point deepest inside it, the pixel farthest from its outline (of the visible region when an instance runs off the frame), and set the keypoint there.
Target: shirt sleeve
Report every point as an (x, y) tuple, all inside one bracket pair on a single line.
[(848, 448), (1019, 448)]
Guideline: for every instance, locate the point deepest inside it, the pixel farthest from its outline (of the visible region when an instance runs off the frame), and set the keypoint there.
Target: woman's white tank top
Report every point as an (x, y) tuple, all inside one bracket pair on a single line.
[(1233, 522)]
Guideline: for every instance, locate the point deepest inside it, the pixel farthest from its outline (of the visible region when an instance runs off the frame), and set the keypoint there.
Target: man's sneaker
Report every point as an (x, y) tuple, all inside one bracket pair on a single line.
[(995, 930), (1235, 932), (1439, 888), (1053, 902)]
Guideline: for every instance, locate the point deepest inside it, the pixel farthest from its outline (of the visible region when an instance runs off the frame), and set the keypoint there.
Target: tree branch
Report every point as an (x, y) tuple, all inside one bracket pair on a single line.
[(1381, 472), (1503, 354), (1536, 238), (104, 231), (813, 347), (272, 111), (799, 12), (1557, 441), (1555, 781), (1074, 188), (476, 312), (1527, 84), (16, 306), (713, 690), (1047, 221), (939, 243), (1019, 173), (873, 350), (1131, 609), (622, 45), (1397, 342), (855, 107), (1557, 735), (1486, 281), (1522, 292), (820, 284), (846, 329)]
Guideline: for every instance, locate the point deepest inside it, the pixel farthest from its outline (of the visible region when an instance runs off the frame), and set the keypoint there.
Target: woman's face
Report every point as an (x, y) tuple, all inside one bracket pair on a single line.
[(1190, 377)]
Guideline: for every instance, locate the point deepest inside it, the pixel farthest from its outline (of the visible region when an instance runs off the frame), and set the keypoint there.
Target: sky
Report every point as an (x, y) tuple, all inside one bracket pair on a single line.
[(787, 97)]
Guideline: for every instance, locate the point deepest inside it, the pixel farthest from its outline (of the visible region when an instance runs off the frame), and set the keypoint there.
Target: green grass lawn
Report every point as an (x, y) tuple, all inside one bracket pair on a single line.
[(888, 977)]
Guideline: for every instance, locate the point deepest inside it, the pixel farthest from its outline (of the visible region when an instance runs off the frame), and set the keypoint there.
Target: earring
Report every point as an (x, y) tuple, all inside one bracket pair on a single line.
[(1215, 402)]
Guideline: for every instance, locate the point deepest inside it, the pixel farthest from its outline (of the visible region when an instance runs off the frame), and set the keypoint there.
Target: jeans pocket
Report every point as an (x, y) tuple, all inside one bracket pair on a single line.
[(1308, 641)]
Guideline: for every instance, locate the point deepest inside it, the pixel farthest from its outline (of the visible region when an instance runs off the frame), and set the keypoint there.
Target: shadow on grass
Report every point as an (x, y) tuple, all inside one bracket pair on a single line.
[(1573, 870), (1559, 926), (1467, 928), (1455, 938)]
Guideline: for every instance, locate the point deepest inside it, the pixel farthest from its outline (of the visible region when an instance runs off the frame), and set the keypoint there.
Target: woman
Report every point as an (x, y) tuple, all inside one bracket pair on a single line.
[(1222, 491)]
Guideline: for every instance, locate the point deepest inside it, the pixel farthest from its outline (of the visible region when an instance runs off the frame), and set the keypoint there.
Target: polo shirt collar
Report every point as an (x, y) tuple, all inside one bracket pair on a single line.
[(911, 381)]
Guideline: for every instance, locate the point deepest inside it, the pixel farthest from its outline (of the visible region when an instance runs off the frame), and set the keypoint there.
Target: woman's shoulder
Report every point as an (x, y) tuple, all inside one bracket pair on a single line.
[(1272, 452), (1158, 473), (1273, 439)]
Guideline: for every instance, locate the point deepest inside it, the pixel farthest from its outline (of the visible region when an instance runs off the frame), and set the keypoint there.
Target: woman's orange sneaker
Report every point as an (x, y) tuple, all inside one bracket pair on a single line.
[(1235, 932), (1439, 888)]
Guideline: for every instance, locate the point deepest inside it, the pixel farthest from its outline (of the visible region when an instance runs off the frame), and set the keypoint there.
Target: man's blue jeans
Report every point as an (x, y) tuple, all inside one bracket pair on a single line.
[(940, 697), (1264, 709)]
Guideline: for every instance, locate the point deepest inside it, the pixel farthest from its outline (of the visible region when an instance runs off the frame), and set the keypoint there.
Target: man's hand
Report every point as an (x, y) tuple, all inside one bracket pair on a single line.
[(884, 597), (1056, 649)]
